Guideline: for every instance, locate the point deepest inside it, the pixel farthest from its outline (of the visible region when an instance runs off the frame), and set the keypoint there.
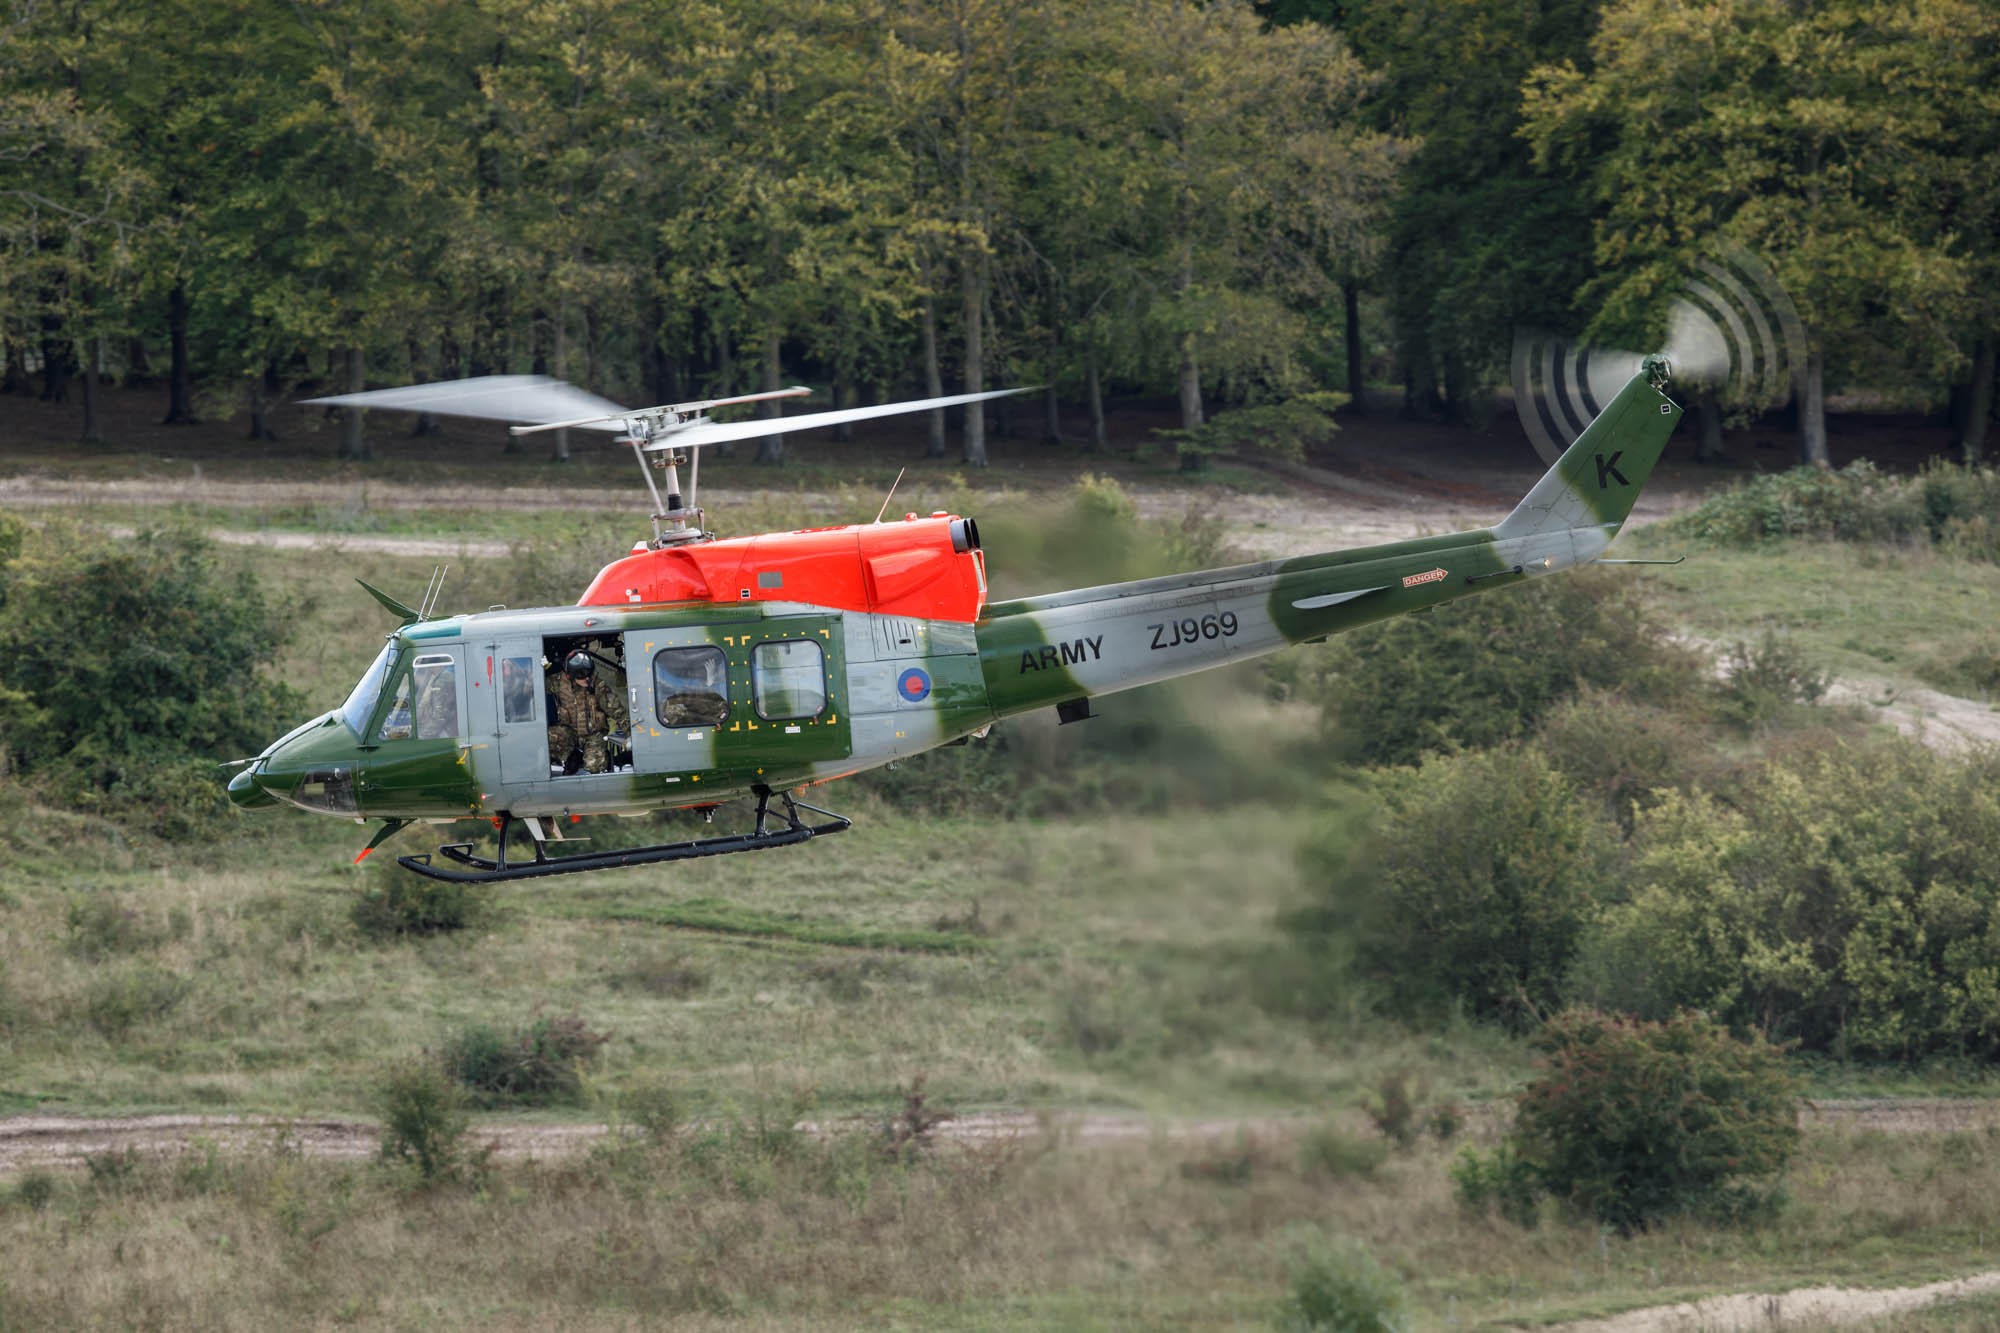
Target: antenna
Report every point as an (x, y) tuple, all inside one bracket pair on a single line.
[(892, 493), (431, 592)]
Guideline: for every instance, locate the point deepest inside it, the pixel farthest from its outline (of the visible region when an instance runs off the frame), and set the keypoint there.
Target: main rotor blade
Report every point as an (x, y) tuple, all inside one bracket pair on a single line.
[(714, 432), (536, 398)]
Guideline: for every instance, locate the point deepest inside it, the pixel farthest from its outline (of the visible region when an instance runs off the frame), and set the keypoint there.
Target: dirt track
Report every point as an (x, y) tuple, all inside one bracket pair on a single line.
[(45, 1141)]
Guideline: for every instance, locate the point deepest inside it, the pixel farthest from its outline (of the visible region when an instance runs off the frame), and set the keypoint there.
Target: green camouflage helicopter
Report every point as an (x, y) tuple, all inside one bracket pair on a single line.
[(757, 666)]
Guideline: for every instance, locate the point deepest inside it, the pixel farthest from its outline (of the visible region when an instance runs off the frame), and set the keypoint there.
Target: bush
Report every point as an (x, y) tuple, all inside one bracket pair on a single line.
[(1483, 875), (1338, 1287), (1952, 507), (1329, 1150), (1500, 1180), (1627, 752), (537, 1064), (1632, 1122), (397, 902), (120, 998), (1486, 669), (1766, 680), (423, 1121), (1856, 912), (127, 668)]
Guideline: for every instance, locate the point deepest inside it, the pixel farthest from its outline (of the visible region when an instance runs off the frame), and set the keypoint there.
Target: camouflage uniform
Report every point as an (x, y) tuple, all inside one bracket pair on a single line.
[(585, 713), (437, 707)]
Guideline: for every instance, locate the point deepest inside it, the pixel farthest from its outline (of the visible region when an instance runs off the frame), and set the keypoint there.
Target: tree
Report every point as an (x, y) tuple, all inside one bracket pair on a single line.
[(1477, 240), (1796, 132)]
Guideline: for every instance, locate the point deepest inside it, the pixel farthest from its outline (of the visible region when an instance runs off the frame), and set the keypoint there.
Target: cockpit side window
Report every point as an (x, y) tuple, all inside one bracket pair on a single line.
[(361, 702), (434, 680)]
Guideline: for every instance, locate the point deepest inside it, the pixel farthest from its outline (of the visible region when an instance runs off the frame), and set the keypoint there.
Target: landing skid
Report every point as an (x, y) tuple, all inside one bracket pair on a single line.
[(497, 869)]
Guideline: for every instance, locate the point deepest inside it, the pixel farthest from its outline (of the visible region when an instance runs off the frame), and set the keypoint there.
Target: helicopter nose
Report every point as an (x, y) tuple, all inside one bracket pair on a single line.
[(246, 794)]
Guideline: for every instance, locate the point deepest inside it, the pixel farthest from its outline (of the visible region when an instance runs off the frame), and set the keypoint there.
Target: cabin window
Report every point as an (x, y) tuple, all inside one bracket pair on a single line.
[(789, 680), (519, 683), (436, 684), (691, 687)]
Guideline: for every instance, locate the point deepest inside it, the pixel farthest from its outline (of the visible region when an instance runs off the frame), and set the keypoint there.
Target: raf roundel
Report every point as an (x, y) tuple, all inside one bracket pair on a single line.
[(914, 685)]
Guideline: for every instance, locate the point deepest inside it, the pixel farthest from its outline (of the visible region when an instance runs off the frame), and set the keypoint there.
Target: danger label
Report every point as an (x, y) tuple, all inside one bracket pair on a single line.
[(1428, 576)]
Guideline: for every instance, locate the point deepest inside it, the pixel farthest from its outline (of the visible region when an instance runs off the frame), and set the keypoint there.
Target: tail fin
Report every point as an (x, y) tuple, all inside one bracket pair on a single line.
[(1597, 480)]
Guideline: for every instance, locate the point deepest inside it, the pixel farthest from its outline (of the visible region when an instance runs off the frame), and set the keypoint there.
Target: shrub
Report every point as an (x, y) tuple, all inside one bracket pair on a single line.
[(1854, 913), (35, 1189), (1501, 1180), (159, 655), (395, 903), (423, 1121), (1396, 1109), (1946, 505), (121, 997), (537, 1064), (1626, 751), (1487, 668), (1631, 1122), (1329, 1150), (1765, 680), (1484, 872), (1338, 1287)]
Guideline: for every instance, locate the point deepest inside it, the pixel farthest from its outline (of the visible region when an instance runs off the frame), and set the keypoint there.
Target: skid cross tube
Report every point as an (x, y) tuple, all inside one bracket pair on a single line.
[(483, 870)]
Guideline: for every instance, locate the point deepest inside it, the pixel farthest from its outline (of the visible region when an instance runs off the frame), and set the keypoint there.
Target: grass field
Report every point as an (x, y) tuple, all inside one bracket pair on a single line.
[(1122, 954)]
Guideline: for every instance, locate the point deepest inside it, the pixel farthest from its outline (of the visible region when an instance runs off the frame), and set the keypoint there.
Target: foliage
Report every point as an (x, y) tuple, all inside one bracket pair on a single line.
[(1950, 507), (1632, 1122), (537, 1064), (1338, 1287), (1280, 430), (1484, 873), (1844, 900), (423, 1121), (1328, 1149), (1804, 137), (1763, 680), (124, 666), (1486, 669), (1500, 1179), (395, 903)]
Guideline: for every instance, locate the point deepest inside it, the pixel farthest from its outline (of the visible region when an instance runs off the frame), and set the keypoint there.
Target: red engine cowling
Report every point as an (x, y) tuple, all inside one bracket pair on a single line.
[(925, 568)]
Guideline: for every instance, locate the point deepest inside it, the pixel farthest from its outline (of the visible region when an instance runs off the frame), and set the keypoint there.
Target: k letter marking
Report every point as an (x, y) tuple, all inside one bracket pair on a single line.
[(1609, 468)]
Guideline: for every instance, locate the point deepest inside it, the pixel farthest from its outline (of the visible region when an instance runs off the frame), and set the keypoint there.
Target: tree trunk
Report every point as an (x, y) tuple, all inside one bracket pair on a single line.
[(354, 444), (973, 291), (1189, 372), (1708, 427), (180, 386), (55, 361), (1094, 386), (1978, 404), (1357, 391), (260, 406), (15, 378), (934, 445), (93, 429), (559, 450), (845, 395), (1812, 411), (1051, 417), (771, 448)]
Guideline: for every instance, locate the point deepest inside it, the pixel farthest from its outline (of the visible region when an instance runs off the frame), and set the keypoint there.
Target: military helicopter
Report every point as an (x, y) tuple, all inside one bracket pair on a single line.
[(760, 666)]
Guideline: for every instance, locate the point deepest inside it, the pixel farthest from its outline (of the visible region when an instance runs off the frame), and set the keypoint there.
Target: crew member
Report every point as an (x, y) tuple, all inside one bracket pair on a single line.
[(590, 706)]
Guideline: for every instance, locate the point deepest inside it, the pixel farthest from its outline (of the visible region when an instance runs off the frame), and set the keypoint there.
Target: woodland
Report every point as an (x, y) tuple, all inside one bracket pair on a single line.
[(1237, 205)]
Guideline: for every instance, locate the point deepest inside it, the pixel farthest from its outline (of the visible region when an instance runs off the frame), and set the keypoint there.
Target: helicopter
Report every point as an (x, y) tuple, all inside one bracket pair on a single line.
[(765, 665)]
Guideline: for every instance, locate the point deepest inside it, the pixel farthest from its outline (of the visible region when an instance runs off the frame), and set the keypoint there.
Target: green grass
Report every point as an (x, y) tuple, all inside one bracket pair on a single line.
[(1881, 611)]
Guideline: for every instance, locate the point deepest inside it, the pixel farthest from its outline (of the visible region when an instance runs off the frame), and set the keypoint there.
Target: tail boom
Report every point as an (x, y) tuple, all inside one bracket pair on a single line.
[(1045, 650)]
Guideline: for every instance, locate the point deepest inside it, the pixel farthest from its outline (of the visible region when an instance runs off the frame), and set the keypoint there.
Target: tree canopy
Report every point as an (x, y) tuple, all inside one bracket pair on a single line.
[(667, 200)]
